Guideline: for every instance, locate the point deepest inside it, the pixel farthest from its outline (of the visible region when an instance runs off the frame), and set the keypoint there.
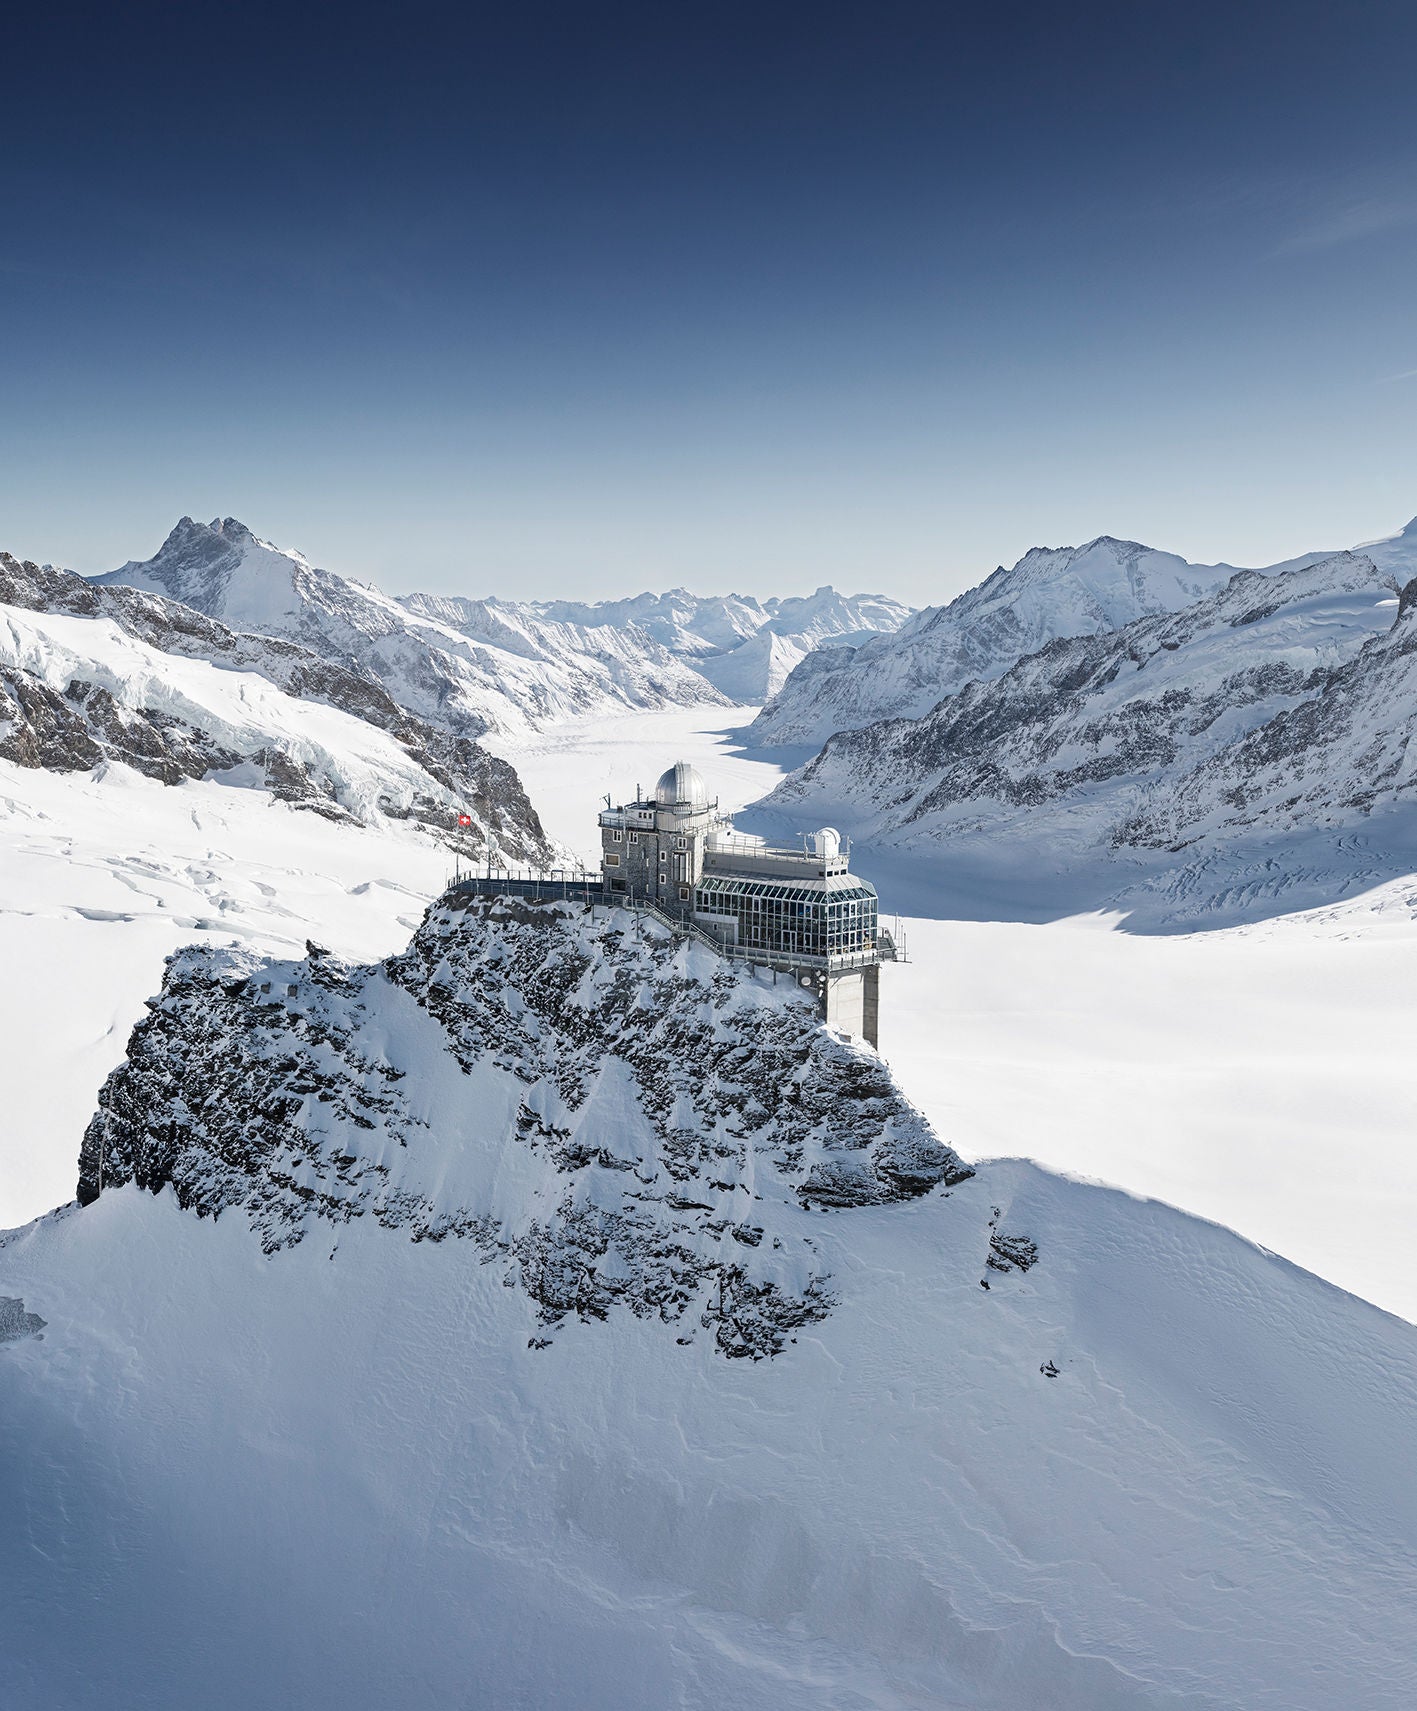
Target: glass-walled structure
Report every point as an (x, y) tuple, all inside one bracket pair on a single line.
[(797, 906), (835, 917)]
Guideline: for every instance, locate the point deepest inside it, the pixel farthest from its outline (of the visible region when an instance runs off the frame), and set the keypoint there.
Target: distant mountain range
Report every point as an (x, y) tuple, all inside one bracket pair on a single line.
[(745, 647), (476, 666), (1092, 705)]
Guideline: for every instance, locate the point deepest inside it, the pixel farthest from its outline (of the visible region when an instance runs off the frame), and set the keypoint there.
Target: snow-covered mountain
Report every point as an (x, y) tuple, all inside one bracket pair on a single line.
[(498, 673), (1282, 703), (656, 1097), (92, 676), (475, 666), (746, 647), (1050, 593), (414, 1375)]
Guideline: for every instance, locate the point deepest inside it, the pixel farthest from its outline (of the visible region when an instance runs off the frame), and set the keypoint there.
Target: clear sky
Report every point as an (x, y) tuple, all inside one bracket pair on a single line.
[(566, 298)]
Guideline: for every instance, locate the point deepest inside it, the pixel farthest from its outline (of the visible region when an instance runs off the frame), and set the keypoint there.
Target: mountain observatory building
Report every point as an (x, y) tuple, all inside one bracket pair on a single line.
[(799, 909)]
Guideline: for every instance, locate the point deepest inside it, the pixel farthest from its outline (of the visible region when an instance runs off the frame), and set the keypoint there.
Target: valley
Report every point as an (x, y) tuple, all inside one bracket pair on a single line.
[(1252, 1075)]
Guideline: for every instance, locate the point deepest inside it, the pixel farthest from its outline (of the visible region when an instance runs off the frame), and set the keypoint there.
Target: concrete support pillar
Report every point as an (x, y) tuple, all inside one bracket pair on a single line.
[(871, 1004)]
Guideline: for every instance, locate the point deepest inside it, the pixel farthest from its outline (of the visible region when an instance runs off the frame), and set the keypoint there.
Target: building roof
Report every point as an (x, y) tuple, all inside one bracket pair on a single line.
[(839, 888), (681, 786)]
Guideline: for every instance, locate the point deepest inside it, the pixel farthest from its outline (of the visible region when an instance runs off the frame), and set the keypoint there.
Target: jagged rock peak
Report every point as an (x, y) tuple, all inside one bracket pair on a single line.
[(619, 1117)]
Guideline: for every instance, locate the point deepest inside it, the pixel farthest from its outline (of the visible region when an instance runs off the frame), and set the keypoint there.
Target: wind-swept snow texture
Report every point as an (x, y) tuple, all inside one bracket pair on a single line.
[(1159, 758), (295, 1454), (1050, 593)]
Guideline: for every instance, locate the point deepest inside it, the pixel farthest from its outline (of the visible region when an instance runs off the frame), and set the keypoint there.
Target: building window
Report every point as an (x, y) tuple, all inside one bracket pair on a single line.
[(683, 893), (634, 837), (664, 855), (612, 861), (616, 837), (679, 843)]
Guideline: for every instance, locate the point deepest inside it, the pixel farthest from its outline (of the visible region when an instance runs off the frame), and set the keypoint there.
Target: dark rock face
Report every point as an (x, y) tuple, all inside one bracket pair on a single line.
[(676, 1128), (77, 730), (15, 1323)]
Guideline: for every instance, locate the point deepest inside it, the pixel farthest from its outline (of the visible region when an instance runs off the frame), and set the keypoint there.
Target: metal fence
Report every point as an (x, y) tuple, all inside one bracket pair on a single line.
[(572, 887)]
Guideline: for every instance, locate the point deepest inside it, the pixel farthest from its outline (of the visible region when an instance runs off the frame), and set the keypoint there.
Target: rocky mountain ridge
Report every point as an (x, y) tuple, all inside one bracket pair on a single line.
[(615, 1115), (476, 666), (90, 674), (501, 675), (1282, 701), (1051, 593)]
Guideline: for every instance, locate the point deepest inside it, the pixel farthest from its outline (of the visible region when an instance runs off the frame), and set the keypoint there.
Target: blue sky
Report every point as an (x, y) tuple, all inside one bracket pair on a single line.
[(553, 299)]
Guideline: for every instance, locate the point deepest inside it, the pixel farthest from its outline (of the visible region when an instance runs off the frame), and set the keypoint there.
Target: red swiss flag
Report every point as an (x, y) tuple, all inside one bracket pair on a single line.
[(464, 819)]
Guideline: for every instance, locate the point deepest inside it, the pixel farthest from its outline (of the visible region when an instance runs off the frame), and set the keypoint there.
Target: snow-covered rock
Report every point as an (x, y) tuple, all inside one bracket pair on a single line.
[(1341, 751), (1051, 592), (434, 1404), (640, 1109), (1280, 703), (95, 675), (456, 664)]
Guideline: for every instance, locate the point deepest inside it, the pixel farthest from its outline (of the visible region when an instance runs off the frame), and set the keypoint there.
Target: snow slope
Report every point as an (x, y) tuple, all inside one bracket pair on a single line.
[(1158, 1467), (1051, 592)]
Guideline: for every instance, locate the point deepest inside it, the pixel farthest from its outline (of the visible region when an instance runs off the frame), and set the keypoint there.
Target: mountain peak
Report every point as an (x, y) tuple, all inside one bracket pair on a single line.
[(232, 530)]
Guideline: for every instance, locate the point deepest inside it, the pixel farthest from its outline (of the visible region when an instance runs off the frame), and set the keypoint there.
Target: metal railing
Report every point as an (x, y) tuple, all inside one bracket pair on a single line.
[(582, 887)]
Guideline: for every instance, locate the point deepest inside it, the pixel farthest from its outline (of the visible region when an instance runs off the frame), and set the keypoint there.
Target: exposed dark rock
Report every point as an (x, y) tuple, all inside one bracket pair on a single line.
[(678, 1111), (15, 1323)]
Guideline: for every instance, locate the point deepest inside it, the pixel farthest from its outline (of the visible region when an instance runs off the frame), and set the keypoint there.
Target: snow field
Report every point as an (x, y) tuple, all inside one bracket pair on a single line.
[(362, 1488)]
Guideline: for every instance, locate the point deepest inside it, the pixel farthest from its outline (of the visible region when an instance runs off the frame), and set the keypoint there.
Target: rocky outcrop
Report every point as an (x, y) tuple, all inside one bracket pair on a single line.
[(618, 1117)]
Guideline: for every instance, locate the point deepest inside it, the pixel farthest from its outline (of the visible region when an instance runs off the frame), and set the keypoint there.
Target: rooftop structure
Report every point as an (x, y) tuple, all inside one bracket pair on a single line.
[(797, 908)]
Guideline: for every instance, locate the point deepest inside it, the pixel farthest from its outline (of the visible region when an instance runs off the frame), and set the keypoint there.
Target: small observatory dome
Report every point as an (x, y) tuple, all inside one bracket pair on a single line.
[(681, 784), (827, 842)]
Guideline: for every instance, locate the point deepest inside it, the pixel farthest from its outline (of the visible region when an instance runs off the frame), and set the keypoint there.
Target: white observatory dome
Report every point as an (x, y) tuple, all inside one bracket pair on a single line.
[(826, 842), (681, 785)]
